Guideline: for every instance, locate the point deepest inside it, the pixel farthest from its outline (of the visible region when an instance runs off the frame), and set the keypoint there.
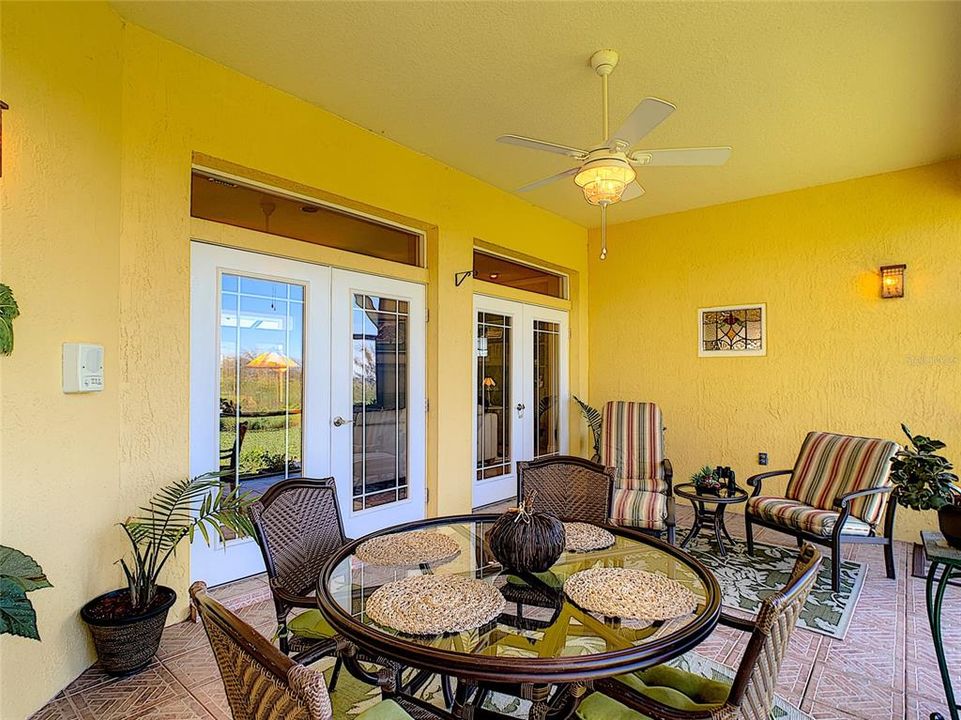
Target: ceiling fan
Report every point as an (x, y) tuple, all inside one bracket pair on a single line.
[(606, 173)]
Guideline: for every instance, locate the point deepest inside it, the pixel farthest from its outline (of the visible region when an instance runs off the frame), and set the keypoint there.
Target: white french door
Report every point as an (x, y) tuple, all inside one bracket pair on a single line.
[(521, 385), (282, 386), (378, 400)]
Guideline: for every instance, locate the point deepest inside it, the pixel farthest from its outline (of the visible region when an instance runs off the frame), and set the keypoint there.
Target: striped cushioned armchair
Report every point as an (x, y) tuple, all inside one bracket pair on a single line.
[(838, 492), (632, 441)]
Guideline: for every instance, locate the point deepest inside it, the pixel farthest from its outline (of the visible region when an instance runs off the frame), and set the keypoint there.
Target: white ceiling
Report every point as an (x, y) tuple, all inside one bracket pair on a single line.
[(806, 93)]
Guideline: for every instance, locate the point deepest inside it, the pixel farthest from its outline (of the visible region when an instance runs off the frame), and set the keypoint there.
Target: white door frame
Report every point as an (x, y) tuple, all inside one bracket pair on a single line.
[(344, 284), (491, 490), (207, 265)]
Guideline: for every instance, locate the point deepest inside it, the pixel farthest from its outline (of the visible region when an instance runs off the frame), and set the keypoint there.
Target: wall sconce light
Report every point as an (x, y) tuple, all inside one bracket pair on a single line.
[(3, 106), (892, 281)]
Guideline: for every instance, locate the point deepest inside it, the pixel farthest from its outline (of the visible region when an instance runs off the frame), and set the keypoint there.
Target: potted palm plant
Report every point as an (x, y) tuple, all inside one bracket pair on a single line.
[(126, 624), (925, 481)]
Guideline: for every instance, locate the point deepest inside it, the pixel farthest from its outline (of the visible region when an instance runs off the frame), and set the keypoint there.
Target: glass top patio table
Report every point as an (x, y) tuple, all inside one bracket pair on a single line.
[(541, 637)]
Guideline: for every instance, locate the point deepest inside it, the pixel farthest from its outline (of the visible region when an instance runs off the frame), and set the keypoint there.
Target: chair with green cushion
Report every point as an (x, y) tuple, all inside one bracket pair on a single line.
[(262, 683), (668, 693), (298, 527)]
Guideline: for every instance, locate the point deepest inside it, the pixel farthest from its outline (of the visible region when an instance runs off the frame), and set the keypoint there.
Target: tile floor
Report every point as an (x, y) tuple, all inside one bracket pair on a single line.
[(884, 669)]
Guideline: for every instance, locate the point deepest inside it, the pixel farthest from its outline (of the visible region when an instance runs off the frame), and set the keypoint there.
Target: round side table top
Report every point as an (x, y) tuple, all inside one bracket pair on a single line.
[(723, 497)]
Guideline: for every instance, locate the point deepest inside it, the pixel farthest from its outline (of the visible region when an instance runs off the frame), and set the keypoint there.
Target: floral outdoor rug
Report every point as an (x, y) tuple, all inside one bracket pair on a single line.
[(746, 580), (352, 697)]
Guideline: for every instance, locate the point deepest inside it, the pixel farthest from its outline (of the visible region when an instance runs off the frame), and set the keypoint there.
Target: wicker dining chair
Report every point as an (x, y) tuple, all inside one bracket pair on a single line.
[(262, 683), (570, 487), (298, 526), (668, 693)]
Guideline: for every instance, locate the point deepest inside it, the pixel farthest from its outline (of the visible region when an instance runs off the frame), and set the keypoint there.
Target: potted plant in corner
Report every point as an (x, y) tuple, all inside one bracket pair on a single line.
[(126, 624), (924, 481)]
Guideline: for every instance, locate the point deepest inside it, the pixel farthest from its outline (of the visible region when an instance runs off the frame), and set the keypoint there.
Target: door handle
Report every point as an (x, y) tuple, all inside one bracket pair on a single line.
[(520, 409), (338, 421)]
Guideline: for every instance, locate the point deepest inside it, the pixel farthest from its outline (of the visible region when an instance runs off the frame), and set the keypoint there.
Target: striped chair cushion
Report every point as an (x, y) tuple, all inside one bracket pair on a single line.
[(639, 509), (831, 465), (632, 440), (646, 484), (798, 516)]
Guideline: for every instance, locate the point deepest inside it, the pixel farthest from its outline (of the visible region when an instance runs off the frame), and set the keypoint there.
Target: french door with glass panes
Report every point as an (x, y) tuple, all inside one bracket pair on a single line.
[(300, 370), (521, 391)]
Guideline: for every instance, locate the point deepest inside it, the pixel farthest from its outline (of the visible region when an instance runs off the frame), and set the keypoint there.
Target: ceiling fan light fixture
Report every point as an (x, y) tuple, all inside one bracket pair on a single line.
[(604, 180)]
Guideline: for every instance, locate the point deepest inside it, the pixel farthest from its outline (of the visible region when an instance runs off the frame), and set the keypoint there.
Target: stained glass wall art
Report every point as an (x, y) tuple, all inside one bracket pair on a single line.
[(732, 330)]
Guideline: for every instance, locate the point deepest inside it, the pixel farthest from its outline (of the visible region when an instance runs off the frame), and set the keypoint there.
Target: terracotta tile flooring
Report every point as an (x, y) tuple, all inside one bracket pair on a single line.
[(884, 669)]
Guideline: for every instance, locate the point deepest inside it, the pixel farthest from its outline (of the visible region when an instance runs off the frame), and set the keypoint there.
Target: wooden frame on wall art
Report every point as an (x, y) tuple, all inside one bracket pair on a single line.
[(732, 330)]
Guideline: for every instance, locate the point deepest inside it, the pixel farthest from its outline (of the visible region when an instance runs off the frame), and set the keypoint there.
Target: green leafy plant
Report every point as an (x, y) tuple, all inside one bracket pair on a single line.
[(8, 311), (593, 418), (923, 478), (178, 511), (19, 575), (706, 479)]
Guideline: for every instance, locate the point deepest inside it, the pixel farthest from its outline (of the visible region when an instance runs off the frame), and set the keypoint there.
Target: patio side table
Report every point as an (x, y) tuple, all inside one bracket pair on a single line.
[(704, 515), (948, 559)]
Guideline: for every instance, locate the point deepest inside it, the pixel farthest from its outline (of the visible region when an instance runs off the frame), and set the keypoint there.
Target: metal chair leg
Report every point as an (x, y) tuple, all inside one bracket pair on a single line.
[(749, 534), (836, 558), (335, 674), (889, 558)]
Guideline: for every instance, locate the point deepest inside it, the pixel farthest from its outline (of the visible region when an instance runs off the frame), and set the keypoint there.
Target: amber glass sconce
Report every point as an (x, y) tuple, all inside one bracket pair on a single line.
[(892, 281), (3, 106)]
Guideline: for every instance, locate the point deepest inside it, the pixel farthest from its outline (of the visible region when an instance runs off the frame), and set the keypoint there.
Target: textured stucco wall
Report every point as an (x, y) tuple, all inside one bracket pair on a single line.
[(97, 151), (59, 454), (840, 358)]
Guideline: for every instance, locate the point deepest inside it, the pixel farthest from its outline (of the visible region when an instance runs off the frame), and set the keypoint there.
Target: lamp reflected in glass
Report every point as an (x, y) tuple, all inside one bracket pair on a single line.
[(489, 386)]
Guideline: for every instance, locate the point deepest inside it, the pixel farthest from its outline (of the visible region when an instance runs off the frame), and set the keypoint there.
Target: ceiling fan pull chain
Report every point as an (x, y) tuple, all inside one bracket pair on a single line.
[(603, 230)]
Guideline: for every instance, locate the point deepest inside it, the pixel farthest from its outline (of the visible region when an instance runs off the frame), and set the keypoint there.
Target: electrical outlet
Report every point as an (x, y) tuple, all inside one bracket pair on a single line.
[(762, 458)]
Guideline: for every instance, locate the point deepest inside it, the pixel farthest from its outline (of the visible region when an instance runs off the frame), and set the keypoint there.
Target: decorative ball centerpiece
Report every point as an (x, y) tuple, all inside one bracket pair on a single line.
[(524, 540)]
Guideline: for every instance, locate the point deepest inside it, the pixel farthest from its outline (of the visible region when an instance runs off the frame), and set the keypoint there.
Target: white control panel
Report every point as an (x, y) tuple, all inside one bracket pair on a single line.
[(82, 367)]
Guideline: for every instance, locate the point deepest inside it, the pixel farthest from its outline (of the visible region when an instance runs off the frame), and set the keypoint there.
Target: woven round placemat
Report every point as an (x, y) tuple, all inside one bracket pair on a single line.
[(408, 549), (629, 593), (435, 604), (584, 537)]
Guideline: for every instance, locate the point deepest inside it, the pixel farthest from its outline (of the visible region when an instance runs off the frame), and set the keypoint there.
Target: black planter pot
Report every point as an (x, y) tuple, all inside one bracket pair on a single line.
[(126, 645), (949, 518)]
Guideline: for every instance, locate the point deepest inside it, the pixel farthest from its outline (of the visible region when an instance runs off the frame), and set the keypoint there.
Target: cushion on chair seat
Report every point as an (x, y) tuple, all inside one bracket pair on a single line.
[(384, 710), (645, 484), (798, 516), (310, 624), (664, 684), (640, 509)]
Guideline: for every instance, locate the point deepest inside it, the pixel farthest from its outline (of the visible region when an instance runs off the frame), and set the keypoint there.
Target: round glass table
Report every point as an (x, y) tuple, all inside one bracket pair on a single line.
[(543, 647)]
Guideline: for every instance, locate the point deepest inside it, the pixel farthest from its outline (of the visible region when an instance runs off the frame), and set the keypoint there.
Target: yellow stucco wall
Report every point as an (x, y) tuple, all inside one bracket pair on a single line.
[(840, 358), (97, 151)]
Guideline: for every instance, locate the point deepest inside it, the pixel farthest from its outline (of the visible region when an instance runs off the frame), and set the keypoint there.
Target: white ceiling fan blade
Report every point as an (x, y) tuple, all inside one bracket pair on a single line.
[(548, 180), (681, 156), (550, 147), (631, 192), (648, 114)]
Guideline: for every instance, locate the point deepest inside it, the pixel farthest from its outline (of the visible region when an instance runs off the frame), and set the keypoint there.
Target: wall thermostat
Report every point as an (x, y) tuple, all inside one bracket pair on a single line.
[(82, 367)]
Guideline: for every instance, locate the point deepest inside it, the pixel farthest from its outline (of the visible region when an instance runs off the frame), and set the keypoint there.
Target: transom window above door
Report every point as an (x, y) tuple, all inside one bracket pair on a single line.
[(227, 201), (511, 273)]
